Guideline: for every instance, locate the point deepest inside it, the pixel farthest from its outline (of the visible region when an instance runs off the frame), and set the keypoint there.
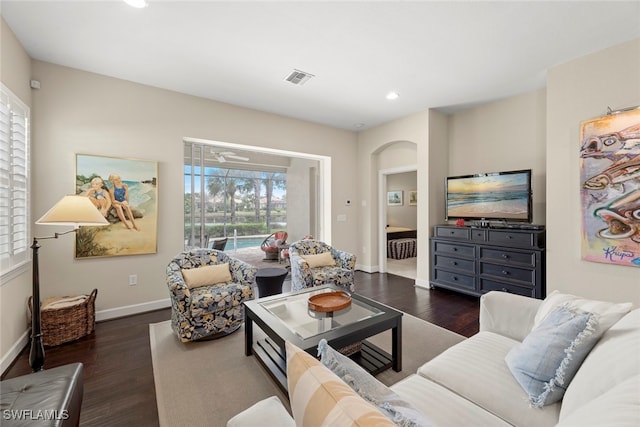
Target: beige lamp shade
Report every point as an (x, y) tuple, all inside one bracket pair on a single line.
[(74, 211)]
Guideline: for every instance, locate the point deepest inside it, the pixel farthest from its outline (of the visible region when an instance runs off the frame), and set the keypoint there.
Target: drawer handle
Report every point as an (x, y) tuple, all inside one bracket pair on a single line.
[(505, 256), (505, 272), (455, 278), (452, 232), (509, 236), (454, 263), (455, 249)]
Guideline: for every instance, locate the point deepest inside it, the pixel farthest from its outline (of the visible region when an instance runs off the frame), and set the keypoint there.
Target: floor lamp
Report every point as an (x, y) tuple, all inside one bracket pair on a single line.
[(71, 211)]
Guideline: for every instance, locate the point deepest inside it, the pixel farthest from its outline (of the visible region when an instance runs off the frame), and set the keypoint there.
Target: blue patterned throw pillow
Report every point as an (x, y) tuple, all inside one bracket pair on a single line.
[(548, 358), (370, 389)]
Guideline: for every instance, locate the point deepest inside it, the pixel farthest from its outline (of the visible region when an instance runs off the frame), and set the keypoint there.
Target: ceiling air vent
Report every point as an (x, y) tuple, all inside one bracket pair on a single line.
[(298, 77)]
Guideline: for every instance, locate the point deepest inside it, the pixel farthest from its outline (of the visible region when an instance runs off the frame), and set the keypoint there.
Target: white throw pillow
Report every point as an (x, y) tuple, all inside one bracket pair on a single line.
[(207, 275), (324, 259)]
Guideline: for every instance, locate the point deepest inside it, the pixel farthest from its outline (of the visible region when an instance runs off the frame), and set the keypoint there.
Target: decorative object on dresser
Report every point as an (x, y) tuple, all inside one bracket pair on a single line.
[(72, 211), (476, 260)]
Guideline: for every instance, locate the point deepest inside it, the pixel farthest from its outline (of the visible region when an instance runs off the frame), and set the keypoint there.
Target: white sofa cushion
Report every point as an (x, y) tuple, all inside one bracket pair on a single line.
[(475, 369), (507, 314), (619, 407), (614, 359), (608, 313), (445, 409), (270, 410)]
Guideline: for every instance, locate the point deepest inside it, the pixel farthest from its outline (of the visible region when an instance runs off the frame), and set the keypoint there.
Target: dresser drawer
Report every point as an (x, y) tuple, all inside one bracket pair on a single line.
[(454, 279), (453, 232), (463, 265), (454, 249), (478, 235), (507, 256), (492, 285), (507, 272), (510, 238)]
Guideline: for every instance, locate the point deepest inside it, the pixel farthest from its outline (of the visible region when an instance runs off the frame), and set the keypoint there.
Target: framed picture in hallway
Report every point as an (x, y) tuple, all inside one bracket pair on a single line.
[(394, 198), (413, 198), (125, 191)]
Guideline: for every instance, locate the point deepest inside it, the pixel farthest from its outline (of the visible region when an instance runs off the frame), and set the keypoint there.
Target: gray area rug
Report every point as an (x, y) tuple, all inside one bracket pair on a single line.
[(206, 383)]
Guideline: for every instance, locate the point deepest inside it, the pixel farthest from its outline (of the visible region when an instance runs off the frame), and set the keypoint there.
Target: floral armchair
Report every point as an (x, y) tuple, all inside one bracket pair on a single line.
[(318, 269), (208, 310)]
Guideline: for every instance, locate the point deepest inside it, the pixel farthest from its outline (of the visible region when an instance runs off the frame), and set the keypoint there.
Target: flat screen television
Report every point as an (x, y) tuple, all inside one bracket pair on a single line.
[(503, 196)]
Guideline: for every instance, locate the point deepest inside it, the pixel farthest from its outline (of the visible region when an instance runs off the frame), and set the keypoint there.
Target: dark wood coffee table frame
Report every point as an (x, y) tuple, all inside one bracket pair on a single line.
[(271, 354)]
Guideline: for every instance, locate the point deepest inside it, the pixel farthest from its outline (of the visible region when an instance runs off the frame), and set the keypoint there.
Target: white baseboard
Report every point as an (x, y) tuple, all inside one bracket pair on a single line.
[(367, 268), (421, 283), (14, 351), (128, 310)]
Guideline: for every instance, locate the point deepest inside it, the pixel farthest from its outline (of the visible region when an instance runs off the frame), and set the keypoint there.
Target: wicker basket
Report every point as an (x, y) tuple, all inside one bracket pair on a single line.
[(60, 325)]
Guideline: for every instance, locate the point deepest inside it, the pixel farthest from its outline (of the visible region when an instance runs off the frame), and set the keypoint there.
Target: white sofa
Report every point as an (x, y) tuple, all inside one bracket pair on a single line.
[(470, 384)]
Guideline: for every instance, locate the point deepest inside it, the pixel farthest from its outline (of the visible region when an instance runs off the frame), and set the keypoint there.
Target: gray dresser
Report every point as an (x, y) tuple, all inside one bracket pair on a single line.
[(478, 260)]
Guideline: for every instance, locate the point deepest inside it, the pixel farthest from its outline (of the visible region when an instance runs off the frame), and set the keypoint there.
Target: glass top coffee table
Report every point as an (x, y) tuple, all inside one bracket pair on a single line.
[(287, 317)]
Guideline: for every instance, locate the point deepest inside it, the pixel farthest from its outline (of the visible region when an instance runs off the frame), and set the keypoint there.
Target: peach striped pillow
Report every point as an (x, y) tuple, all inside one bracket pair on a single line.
[(319, 398)]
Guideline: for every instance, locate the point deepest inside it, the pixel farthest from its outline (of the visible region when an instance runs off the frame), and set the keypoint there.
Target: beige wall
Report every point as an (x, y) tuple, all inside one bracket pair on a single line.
[(371, 144), (504, 135), (15, 72), (79, 112), (579, 90), (438, 167), (299, 181)]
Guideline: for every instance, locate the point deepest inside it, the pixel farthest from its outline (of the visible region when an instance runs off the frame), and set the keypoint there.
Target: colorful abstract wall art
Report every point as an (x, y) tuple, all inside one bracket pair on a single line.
[(610, 188)]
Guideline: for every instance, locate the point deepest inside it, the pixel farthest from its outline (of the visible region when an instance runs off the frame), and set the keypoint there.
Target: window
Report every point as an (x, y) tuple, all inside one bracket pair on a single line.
[(223, 197), (14, 182)]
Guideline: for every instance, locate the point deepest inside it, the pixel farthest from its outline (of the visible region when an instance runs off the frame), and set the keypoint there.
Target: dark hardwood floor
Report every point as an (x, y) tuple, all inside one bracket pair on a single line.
[(118, 376)]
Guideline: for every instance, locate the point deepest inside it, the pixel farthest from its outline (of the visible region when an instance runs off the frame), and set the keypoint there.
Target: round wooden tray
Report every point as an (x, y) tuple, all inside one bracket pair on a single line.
[(329, 301)]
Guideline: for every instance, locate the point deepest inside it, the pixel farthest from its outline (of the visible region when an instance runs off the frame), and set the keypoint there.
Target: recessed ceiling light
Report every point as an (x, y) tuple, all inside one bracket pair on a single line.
[(136, 3), (358, 125), (392, 95)]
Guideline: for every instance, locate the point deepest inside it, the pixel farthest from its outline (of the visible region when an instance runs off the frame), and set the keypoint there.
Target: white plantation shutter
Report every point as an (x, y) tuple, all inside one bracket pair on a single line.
[(14, 181)]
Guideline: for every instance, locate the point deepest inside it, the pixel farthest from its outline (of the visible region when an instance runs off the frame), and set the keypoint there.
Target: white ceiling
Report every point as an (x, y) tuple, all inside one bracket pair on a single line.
[(445, 55)]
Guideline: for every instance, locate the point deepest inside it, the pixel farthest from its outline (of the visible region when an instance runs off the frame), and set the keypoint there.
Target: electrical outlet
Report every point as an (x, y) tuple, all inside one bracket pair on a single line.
[(133, 279)]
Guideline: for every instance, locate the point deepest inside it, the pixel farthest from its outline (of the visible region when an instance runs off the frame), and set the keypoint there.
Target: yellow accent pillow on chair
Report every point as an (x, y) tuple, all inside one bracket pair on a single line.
[(324, 259), (207, 275)]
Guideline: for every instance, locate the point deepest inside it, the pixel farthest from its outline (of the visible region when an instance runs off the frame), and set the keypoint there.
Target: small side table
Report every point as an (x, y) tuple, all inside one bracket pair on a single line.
[(270, 280)]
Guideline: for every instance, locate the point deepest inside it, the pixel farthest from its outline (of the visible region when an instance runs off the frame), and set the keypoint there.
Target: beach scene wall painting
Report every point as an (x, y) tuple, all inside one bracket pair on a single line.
[(125, 191), (610, 188)]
